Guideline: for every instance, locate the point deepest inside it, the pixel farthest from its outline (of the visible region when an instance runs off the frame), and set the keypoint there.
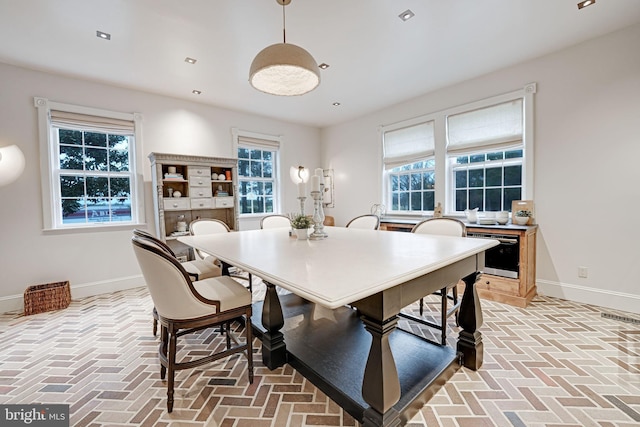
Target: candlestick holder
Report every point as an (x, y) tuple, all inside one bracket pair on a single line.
[(318, 216), (302, 199)]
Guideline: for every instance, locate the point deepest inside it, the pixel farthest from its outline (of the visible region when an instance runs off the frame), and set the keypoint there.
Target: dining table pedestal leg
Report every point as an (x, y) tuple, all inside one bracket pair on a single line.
[(470, 319), (274, 350), (380, 385)]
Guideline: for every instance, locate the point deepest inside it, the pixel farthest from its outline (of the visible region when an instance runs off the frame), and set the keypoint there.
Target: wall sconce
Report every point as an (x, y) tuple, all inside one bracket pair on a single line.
[(299, 174), (11, 164)]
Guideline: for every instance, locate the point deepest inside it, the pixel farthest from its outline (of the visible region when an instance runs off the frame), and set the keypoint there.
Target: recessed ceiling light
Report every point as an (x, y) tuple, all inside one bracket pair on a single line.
[(336, 104), (585, 3), (406, 15), (323, 66), (190, 60), (196, 92), (102, 35)]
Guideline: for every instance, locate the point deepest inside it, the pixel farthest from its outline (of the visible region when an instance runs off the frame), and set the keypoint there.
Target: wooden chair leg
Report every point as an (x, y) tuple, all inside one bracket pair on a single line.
[(421, 306), (249, 338), (171, 370), (164, 338), (454, 291), (443, 316), (228, 328)]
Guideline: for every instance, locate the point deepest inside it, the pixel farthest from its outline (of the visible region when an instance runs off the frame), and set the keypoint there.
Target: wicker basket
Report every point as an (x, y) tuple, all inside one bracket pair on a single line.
[(47, 297)]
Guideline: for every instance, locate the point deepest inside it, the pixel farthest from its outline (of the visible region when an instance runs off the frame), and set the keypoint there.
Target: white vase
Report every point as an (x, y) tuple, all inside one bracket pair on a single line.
[(302, 233)]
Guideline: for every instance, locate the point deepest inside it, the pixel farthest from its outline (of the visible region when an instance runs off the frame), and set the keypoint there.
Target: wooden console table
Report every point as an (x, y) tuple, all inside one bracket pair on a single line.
[(517, 292)]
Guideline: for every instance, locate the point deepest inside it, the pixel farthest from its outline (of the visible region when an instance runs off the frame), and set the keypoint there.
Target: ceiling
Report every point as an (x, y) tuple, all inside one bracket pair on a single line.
[(375, 58)]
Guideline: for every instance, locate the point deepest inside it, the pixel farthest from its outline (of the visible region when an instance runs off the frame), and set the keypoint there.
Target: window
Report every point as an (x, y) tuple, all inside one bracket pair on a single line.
[(91, 155), (485, 152), (410, 167), (475, 155), (487, 181), (257, 173)]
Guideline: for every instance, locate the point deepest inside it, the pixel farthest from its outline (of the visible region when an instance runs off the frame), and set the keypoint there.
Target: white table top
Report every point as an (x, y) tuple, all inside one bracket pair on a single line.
[(349, 265)]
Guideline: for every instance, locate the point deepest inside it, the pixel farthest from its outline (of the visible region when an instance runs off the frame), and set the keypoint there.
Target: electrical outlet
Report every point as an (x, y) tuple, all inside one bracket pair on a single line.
[(582, 272)]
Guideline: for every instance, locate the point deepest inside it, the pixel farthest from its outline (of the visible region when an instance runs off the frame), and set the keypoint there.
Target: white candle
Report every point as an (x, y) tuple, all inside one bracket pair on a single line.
[(320, 173), (302, 189), (315, 183)]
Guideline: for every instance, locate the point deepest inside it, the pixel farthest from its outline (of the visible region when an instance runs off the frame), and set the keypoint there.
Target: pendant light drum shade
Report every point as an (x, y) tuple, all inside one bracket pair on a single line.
[(284, 69)]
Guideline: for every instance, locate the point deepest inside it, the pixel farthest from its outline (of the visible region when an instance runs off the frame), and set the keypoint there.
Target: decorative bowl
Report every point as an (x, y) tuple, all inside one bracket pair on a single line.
[(521, 220)]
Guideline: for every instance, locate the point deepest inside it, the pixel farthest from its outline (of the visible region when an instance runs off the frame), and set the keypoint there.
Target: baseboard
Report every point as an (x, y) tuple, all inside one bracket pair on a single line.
[(599, 297), (15, 303)]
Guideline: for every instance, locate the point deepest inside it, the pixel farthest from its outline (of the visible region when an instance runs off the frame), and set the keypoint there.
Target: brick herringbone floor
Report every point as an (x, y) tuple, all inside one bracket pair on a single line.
[(555, 363)]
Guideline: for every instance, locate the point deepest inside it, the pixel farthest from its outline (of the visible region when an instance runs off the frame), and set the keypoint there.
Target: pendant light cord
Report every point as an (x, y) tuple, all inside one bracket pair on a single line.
[(284, 25)]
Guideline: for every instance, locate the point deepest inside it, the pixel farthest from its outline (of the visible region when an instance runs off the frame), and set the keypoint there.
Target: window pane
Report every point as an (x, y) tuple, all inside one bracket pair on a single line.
[(71, 186), (495, 156), (120, 209), (461, 160), (416, 201), (267, 169), (97, 210), (258, 205), (513, 154), (268, 204), (95, 159), (73, 211), (245, 205), (428, 200), (259, 187), (461, 179), (394, 182), (404, 202), (243, 153), (255, 154), (97, 187), (461, 200), (267, 155), (395, 197), (428, 180), (476, 178), (256, 169), (404, 182), (430, 164), (95, 139), (120, 188), (493, 199), (68, 136), (511, 194), (416, 181), (118, 153), (243, 167), (494, 177), (71, 157), (268, 188), (476, 199), (513, 175), (476, 158)]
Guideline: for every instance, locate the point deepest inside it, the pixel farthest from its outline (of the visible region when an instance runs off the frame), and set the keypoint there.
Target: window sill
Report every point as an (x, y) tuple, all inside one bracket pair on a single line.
[(94, 228)]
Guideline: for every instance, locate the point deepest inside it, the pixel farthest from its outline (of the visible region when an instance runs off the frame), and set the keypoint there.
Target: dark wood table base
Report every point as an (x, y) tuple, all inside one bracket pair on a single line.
[(330, 348)]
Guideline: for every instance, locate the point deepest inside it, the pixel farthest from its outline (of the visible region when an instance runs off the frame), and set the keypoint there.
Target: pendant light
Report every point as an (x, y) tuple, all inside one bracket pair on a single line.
[(284, 69)]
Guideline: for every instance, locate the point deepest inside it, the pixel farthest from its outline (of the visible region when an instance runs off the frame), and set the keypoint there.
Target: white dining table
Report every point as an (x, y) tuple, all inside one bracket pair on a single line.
[(376, 272)]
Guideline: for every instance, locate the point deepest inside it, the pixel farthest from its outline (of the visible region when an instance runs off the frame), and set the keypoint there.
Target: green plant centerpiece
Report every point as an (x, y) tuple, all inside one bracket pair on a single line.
[(524, 213), (300, 222), (521, 217)]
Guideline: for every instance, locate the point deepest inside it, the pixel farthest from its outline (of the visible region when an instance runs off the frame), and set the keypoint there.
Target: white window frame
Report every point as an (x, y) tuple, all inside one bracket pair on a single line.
[(51, 196), (264, 142), (444, 186)]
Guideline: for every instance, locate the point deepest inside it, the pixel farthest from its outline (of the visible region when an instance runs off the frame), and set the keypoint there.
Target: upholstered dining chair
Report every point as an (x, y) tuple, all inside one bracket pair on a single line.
[(196, 269), (185, 307), (275, 221), (213, 226), (368, 221), (443, 227)]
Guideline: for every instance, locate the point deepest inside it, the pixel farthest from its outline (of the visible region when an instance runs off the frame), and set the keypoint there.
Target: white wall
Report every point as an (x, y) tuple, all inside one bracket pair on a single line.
[(587, 148), (102, 261)]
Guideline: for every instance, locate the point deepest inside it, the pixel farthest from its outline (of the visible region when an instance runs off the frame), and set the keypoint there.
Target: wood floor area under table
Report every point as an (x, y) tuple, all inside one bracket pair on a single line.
[(554, 363)]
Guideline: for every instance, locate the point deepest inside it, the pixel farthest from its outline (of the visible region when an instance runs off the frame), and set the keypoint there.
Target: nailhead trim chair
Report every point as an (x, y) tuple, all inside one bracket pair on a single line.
[(197, 269), (368, 221), (185, 307)]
